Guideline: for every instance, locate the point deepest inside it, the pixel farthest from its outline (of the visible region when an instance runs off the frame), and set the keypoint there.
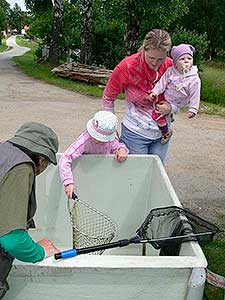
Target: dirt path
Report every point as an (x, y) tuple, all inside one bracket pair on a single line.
[(196, 161)]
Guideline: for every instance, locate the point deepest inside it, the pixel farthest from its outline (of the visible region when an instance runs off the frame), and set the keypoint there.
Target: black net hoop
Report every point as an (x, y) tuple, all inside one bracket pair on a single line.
[(180, 223)]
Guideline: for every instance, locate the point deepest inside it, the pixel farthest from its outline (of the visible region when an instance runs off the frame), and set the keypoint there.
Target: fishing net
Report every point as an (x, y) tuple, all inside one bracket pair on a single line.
[(167, 228), (164, 228), (90, 226)]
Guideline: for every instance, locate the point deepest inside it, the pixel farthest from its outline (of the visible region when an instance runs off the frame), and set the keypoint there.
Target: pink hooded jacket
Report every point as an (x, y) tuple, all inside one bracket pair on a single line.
[(180, 90)]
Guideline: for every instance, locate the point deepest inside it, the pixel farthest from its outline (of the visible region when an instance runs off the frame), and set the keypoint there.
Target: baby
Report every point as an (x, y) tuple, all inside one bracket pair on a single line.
[(99, 137), (181, 87)]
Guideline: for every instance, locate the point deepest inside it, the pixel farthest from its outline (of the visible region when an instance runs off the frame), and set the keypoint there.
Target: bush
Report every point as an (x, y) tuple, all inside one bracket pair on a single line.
[(108, 46), (42, 26), (199, 41)]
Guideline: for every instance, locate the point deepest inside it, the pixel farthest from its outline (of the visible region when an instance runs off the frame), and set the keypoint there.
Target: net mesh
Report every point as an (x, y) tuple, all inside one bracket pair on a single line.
[(90, 226), (173, 221)]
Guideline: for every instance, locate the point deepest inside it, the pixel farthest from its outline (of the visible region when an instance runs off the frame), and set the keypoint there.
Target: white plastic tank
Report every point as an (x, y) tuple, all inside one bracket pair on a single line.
[(125, 192)]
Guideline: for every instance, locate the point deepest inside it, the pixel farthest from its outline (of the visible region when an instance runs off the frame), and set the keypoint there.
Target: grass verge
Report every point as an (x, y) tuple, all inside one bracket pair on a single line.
[(213, 83), (3, 46), (214, 252)]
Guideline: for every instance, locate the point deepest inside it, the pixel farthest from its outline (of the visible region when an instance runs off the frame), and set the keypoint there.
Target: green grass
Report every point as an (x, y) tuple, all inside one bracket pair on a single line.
[(213, 83), (3, 46), (212, 109), (23, 42), (215, 253)]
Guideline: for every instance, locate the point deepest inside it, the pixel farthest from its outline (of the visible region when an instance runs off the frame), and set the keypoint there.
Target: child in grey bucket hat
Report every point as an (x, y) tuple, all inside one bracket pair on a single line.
[(38, 139)]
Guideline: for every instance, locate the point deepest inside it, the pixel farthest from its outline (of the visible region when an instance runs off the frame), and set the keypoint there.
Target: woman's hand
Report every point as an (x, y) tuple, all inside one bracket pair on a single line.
[(69, 190), (121, 155), (163, 108), (49, 248)]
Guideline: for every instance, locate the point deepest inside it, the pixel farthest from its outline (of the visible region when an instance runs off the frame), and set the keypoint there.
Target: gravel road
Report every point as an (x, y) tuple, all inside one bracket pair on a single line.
[(196, 160)]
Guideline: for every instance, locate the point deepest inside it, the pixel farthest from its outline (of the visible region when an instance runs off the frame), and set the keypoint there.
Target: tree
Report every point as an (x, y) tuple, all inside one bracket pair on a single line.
[(41, 26), (141, 18), (208, 16), (2, 23), (4, 5), (86, 32), (71, 29), (42, 7), (38, 6), (17, 18), (4, 9), (55, 46)]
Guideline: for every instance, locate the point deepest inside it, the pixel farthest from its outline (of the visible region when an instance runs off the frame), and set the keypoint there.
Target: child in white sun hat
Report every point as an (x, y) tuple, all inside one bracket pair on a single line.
[(181, 87), (99, 137)]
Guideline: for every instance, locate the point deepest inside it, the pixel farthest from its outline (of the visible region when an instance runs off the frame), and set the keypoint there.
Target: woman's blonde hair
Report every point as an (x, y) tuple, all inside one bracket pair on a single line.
[(157, 39)]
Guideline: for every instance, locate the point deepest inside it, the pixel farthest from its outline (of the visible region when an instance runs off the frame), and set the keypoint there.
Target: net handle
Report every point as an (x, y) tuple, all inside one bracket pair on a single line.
[(74, 252), (71, 201), (74, 196), (122, 243)]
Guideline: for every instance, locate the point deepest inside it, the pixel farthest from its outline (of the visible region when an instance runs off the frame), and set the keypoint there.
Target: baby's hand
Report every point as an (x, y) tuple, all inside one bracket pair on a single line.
[(191, 115), (152, 97), (69, 190), (121, 155)]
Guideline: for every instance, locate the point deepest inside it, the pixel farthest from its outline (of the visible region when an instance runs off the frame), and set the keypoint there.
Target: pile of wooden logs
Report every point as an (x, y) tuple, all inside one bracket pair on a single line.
[(82, 72)]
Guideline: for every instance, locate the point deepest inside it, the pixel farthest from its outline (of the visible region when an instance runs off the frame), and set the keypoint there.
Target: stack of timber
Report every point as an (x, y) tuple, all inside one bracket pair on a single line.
[(82, 72)]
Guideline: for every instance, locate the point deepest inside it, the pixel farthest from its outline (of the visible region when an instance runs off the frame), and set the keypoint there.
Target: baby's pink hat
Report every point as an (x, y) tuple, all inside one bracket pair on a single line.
[(181, 49)]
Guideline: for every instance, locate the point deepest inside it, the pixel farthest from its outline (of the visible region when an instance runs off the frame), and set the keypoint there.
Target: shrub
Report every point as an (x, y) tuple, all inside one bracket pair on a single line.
[(108, 45), (199, 41)]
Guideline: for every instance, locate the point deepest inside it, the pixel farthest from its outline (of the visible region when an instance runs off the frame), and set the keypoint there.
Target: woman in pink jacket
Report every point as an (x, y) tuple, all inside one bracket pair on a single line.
[(136, 75), (181, 87)]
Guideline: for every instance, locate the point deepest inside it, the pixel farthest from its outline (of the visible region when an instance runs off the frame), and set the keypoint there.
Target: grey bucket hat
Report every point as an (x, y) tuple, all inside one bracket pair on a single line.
[(38, 139)]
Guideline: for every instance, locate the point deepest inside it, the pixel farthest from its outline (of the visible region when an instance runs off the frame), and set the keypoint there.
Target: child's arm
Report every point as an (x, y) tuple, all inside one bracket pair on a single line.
[(161, 85), (157, 93), (65, 171), (195, 89), (74, 151)]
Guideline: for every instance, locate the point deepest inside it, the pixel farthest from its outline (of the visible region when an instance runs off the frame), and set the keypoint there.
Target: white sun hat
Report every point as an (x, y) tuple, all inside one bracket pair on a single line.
[(103, 126)]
